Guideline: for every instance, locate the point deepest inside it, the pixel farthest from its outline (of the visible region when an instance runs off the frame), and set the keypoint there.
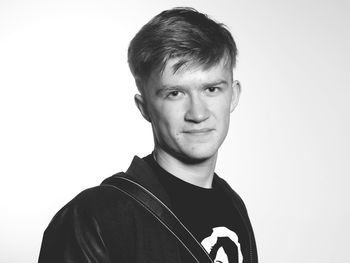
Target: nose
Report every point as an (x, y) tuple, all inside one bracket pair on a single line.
[(197, 110)]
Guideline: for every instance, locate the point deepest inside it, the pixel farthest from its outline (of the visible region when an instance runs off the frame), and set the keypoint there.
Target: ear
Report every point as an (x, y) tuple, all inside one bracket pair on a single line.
[(141, 105), (236, 92)]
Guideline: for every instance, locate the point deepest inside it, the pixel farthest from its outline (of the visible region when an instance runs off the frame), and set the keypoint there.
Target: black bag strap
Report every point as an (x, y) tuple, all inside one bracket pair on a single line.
[(163, 214)]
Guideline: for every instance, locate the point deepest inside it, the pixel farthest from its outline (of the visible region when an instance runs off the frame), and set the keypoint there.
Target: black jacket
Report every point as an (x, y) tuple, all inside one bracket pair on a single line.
[(103, 225)]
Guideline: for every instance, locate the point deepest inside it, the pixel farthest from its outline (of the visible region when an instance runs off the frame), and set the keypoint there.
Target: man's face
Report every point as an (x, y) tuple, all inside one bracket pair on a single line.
[(190, 109)]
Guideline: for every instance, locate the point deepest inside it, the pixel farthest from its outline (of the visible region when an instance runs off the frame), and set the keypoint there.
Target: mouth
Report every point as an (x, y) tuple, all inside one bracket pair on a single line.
[(198, 131)]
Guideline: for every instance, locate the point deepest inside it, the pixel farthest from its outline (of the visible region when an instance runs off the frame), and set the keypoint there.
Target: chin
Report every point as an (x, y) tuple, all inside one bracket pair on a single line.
[(197, 155)]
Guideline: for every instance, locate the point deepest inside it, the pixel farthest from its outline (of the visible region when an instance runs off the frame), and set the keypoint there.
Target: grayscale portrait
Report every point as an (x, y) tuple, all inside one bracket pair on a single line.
[(166, 131)]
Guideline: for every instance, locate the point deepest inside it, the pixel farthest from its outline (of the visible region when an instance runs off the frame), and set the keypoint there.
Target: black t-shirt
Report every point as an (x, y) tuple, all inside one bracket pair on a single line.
[(208, 214)]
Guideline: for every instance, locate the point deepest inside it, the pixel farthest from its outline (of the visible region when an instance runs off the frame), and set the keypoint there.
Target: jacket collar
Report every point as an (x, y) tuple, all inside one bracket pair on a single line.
[(140, 172)]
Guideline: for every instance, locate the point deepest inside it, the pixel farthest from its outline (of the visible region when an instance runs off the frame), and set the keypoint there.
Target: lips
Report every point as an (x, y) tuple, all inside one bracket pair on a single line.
[(198, 131)]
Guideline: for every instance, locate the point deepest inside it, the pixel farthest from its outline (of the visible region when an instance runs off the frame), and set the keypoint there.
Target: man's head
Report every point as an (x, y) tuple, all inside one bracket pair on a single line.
[(179, 33), (182, 62)]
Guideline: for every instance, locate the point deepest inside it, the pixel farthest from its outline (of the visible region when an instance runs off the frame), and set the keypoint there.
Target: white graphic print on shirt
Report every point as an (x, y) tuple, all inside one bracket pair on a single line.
[(223, 246)]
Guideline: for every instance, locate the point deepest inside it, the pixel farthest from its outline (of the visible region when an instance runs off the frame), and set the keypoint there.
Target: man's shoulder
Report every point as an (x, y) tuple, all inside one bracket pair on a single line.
[(105, 199), (224, 186), (93, 202), (94, 217)]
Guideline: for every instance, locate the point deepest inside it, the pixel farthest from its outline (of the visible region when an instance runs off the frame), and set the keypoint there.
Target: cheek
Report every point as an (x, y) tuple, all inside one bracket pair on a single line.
[(222, 119), (222, 111), (167, 120)]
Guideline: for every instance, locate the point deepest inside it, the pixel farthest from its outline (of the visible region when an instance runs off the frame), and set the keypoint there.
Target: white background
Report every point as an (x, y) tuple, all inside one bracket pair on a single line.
[(68, 118)]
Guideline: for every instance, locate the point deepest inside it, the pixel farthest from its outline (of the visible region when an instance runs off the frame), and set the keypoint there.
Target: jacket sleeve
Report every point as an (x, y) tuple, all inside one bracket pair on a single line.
[(74, 235)]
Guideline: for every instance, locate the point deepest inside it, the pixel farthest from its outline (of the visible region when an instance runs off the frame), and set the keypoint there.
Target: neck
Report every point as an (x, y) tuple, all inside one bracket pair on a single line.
[(200, 174)]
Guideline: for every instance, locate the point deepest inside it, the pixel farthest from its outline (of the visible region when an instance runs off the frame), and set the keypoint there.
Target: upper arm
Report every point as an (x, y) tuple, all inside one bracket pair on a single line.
[(74, 235)]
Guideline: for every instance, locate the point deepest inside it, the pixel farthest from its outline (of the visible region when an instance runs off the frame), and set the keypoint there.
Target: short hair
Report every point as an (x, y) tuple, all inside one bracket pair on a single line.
[(183, 33)]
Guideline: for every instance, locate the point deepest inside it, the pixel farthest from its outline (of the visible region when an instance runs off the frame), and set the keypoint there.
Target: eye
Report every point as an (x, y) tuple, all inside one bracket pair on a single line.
[(174, 94), (212, 89)]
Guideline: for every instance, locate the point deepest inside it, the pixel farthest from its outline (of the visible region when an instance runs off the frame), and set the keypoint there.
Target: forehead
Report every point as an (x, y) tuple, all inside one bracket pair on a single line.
[(191, 73)]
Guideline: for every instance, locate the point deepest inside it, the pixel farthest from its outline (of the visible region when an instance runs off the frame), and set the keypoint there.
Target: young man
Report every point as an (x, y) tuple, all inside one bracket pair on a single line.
[(183, 64)]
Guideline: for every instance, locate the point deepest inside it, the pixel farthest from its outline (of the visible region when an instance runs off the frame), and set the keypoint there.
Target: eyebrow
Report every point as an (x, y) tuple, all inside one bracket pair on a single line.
[(164, 88)]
